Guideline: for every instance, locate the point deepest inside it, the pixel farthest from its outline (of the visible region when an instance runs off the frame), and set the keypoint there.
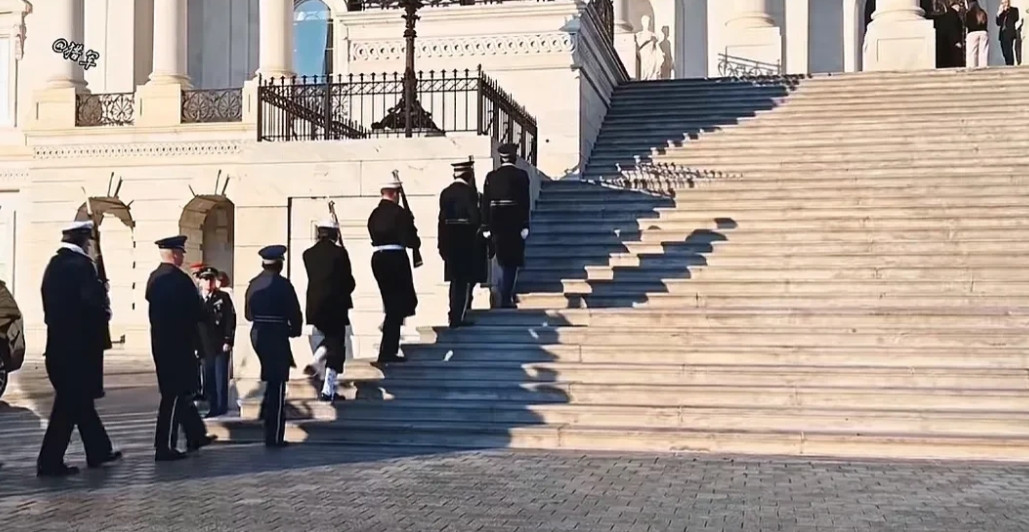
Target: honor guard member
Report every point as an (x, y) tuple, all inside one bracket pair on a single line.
[(75, 312), (272, 306), (176, 312), (392, 231), (459, 224), (505, 216), (217, 335), (330, 285)]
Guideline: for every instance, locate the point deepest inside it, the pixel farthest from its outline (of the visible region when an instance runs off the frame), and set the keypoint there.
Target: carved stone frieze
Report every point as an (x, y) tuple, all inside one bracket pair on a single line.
[(132, 149), (486, 45)]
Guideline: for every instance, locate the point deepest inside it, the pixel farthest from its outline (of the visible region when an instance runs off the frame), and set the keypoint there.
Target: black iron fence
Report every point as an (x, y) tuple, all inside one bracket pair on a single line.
[(111, 109), (604, 13), (212, 105), (371, 105)]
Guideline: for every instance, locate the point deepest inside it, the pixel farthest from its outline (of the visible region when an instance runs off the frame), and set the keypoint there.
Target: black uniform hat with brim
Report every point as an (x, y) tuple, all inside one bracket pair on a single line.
[(508, 150), (172, 242), (463, 168), (272, 254), (208, 272)]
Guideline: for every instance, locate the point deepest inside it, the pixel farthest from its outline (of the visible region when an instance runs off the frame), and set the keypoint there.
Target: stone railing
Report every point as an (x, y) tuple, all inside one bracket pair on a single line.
[(212, 105), (112, 109)]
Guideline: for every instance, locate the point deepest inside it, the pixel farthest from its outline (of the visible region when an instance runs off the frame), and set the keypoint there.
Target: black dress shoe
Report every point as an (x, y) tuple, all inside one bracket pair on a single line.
[(62, 470), (325, 398), (114, 456), (169, 456), (203, 442), (274, 445), (310, 370), (391, 360)]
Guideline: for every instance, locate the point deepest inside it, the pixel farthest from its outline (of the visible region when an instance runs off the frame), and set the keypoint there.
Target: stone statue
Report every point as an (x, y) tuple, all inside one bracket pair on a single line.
[(648, 47)]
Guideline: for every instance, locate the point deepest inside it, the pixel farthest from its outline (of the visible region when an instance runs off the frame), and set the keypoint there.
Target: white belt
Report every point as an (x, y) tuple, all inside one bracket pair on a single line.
[(389, 247)]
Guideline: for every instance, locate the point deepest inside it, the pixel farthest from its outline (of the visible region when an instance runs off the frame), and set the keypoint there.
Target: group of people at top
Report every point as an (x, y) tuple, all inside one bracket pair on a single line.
[(192, 319), (962, 34)]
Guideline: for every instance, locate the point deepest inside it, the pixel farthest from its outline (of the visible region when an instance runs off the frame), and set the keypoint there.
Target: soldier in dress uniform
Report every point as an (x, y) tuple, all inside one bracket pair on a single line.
[(392, 231), (459, 224), (505, 217), (176, 312), (217, 335), (75, 312), (272, 306), (330, 283)]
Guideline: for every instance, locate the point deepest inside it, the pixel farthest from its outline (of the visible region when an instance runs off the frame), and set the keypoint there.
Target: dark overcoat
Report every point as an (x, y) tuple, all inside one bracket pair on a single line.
[(176, 312), (273, 307), (330, 287), (219, 324), (460, 243), (505, 212), (390, 224), (75, 312)]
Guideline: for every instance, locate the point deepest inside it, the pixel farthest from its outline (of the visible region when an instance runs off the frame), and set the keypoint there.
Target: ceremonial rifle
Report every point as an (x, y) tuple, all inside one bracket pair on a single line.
[(416, 253), (335, 220), (100, 269)]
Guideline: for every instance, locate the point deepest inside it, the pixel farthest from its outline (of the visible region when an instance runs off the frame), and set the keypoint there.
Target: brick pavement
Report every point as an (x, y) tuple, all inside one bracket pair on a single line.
[(322, 488)]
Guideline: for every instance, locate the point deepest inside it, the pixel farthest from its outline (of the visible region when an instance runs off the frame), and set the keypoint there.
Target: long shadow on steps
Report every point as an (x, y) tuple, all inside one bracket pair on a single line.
[(642, 121)]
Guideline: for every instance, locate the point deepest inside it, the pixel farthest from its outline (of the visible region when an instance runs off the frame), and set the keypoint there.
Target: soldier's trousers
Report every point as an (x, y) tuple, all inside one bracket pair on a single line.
[(389, 346), (508, 276), (460, 299), (177, 411), (70, 411), (273, 412)]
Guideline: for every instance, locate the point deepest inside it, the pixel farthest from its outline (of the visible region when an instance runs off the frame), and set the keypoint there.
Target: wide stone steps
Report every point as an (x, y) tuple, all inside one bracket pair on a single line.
[(633, 299), (825, 223), (650, 239), (687, 203), (674, 177), (759, 193)]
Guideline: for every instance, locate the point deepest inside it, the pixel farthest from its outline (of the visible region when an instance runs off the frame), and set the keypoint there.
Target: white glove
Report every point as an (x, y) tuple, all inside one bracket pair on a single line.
[(485, 234), (525, 234)]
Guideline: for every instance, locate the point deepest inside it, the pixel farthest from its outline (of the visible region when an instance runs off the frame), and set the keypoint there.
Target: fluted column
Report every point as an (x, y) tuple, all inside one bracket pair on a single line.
[(170, 43), (65, 20), (853, 35), (750, 14), (275, 52), (899, 37), (621, 12)]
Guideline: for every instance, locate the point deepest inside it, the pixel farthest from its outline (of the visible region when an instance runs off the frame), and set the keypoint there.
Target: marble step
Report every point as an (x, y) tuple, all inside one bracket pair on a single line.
[(679, 177), (472, 436), (755, 191), (545, 236), (548, 247), (760, 213), (913, 105), (557, 300), (686, 203), (726, 225)]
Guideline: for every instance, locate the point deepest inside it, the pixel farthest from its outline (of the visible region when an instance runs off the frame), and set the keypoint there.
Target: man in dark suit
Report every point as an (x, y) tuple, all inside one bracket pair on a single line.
[(460, 221), (273, 307), (950, 37), (330, 283), (75, 312), (176, 312), (505, 217)]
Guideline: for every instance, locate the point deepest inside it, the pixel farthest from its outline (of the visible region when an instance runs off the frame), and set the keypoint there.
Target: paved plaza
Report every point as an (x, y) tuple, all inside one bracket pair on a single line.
[(329, 488)]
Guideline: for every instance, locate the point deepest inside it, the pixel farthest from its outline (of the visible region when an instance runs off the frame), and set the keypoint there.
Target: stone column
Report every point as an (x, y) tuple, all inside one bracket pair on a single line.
[(64, 78), (64, 19), (275, 52), (798, 37), (169, 43), (753, 43), (159, 101), (899, 38), (852, 35)]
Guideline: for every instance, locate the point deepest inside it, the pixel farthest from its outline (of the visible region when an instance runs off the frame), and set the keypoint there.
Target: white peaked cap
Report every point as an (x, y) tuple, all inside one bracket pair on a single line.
[(393, 182), (327, 224), (85, 225)]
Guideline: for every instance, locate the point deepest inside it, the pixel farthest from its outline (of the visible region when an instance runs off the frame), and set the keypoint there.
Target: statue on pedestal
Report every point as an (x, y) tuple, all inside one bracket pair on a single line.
[(648, 48)]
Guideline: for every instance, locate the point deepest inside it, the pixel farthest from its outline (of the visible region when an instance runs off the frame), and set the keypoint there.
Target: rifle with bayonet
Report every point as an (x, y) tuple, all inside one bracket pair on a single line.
[(335, 220), (416, 253)]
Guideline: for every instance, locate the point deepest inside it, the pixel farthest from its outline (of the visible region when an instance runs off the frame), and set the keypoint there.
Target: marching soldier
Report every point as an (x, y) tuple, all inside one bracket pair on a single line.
[(75, 312), (217, 335), (459, 223), (505, 216), (272, 306), (392, 231), (330, 283), (175, 315)]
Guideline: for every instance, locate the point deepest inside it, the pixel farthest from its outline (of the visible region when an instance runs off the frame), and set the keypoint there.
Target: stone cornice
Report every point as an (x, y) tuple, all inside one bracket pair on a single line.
[(138, 150), (493, 12), (557, 42)]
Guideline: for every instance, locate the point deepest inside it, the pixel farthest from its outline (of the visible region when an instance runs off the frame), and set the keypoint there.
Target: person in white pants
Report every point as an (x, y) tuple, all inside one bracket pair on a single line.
[(977, 43)]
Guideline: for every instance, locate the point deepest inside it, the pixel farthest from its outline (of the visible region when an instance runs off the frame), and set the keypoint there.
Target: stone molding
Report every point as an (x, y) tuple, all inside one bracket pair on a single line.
[(474, 46), (145, 149), (8, 175)]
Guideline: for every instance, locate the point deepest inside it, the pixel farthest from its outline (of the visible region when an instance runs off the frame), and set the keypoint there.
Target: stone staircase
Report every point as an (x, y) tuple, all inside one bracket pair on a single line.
[(803, 266)]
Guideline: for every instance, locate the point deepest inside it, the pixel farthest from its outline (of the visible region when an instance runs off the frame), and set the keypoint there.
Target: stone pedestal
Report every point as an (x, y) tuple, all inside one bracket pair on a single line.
[(159, 104), (53, 108), (899, 38), (753, 43)]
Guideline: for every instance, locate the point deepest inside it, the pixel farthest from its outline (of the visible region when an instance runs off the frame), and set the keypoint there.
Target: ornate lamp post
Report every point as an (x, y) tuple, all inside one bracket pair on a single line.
[(411, 17)]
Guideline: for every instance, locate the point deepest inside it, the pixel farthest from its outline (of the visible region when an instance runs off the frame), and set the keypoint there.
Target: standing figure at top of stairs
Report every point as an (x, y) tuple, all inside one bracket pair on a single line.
[(505, 216)]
